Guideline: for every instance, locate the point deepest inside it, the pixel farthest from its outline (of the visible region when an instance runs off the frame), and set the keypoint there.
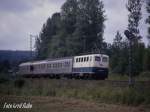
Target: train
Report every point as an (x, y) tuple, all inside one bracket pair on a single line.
[(95, 66)]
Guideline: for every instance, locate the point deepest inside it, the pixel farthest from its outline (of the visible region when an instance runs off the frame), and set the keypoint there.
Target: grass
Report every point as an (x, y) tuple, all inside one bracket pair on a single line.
[(144, 76), (59, 104), (89, 90)]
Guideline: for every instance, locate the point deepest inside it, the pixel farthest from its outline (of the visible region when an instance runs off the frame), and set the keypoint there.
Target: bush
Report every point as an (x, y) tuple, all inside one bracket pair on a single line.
[(19, 83), (4, 77)]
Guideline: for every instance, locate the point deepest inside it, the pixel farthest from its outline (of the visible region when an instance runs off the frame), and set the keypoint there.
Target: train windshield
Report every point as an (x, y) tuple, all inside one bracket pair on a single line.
[(105, 59), (97, 58)]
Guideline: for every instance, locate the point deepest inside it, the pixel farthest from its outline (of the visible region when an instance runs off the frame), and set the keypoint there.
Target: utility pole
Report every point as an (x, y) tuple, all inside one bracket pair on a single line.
[(130, 63), (130, 36), (84, 44), (31, 46)]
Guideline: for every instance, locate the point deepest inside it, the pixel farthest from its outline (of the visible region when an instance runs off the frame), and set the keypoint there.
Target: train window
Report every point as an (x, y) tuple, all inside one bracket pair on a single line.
[(61, 65), (43, 66), (79, 59), (55, 65), (97, 58), (49, 65), (68, 64), (84, 59), (104, 59), (58, 65), (76, 59), (87, 59), (31, 68)]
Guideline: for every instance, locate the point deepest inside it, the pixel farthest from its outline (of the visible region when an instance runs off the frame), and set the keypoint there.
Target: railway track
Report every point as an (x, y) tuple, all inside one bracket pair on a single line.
[(122, 83), (113, 83)]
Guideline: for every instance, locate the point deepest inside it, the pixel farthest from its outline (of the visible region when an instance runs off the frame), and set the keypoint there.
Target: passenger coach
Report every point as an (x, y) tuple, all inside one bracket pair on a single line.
[(84, 66)]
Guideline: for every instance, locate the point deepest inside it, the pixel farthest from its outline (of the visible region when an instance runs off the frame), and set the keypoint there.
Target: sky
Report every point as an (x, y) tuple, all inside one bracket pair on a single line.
[(21, 18)]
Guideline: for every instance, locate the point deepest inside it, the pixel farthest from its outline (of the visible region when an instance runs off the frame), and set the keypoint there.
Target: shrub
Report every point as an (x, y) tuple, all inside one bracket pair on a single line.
[(19, 83)]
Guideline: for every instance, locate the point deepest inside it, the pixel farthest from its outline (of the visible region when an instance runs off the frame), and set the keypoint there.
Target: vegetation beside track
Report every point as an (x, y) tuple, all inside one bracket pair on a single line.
[(89, 90), (144, 76)]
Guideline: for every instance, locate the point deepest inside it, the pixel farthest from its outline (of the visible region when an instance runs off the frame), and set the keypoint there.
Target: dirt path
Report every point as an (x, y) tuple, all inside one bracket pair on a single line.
[(55, 104)]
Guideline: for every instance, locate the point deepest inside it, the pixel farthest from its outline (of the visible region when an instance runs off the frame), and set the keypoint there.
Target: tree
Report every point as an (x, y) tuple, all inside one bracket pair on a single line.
[(146, 64), (50, 28), (118, 60), (148, 20), (135, 15), (69, 15), (146, 60), (4, 66), (80, 29), (117, 41), (90, 25)]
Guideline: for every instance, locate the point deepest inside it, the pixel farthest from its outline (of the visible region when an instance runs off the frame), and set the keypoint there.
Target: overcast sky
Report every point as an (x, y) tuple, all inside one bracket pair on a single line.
[(20, 18)]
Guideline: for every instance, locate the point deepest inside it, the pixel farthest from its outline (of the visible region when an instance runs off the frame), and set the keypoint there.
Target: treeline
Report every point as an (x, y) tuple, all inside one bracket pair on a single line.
[(9, 60), (79, 27)]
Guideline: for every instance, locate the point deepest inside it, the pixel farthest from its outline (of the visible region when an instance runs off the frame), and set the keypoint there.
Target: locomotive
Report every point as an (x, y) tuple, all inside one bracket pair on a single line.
[(84, 66)]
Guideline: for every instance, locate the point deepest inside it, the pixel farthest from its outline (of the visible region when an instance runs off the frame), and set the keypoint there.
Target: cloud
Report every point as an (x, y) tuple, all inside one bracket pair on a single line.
[(14, 6), (16, 26)]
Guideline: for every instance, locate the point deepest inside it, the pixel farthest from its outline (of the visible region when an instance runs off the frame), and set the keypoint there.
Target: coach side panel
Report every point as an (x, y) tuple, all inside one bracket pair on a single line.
[(59, 66)]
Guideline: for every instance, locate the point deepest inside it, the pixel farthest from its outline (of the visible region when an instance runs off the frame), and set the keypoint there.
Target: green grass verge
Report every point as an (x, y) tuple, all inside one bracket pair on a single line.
[(89, 90), (144, 76)]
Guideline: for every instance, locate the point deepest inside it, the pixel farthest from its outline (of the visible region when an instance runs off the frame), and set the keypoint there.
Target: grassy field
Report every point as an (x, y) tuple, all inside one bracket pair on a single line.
[(144, 76), (64, 95), (57, 104)]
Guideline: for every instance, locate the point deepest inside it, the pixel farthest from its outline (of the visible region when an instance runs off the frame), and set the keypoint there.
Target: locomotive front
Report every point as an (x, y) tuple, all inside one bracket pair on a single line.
[(93, 65)]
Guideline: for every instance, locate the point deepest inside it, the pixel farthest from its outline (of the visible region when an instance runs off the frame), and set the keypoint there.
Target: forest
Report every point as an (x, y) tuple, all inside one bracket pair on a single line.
[(79, 28)]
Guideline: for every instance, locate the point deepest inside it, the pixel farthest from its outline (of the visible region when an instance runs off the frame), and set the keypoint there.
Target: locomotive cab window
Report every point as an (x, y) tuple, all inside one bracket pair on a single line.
[(97, 58), (81, 59), (77, 59), (87, 59), (84, 59), (104, 59)]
